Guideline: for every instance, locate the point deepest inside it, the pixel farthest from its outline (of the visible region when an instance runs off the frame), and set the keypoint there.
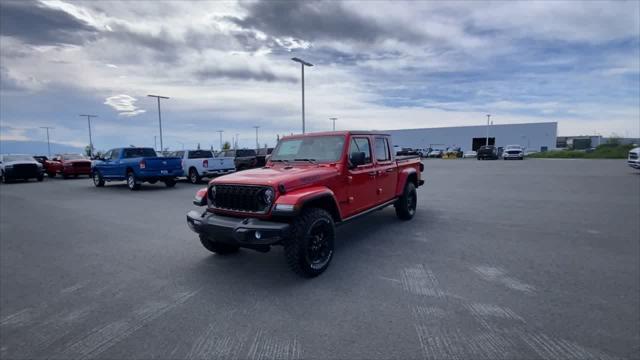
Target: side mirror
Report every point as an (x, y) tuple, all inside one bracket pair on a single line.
[(356, 159)]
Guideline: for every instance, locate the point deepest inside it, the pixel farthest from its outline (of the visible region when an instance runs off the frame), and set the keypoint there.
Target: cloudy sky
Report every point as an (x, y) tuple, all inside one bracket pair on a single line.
[(378, 65)]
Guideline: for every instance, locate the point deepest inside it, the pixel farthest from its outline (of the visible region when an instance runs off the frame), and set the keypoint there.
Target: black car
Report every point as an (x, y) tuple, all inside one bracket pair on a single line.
[(489, 152), (261, 156)]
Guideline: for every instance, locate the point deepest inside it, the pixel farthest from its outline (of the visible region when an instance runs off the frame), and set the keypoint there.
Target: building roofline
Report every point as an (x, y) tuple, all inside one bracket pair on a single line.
[(481, 125)]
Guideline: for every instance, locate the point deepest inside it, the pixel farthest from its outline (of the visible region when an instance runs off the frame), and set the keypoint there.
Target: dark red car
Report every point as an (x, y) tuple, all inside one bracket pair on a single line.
[(68, 165)]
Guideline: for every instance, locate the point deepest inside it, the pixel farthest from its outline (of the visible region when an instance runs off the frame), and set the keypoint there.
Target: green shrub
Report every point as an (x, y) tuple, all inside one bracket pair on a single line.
[(604, 151)]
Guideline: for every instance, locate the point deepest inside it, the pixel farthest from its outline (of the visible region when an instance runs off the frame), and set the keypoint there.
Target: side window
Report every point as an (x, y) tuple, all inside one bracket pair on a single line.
[(114, 154), (382, 150), (361, 145)]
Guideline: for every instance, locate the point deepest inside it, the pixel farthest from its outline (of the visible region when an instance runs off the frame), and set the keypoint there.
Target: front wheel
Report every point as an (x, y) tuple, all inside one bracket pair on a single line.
[(216, 247), (98, 181), (132, 182), (406, 204), (170, 183), (4, 178), (309, 246)]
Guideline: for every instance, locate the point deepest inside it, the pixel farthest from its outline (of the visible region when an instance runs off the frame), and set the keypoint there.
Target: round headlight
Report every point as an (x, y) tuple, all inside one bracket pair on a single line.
[(268, 196), (212, 194)]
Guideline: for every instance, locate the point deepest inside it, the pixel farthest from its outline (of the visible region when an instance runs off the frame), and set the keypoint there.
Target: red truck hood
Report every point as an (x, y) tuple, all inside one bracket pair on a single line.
[(292, 177)]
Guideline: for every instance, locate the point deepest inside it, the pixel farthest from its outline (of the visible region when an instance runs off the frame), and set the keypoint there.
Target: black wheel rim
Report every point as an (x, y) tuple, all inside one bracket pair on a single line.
[(319, 240), (411, 202), (131, 182)]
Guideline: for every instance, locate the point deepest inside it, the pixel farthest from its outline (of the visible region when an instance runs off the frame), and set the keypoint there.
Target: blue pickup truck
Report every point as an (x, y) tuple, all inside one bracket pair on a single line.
[(135, 165)]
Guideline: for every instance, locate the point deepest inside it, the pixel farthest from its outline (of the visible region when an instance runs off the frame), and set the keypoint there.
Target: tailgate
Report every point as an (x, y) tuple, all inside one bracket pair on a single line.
[(222, 163), (162, 163)]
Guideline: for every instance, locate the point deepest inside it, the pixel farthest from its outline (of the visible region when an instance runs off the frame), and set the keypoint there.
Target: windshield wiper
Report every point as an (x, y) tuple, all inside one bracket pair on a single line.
[(313, 161), (280, 160)]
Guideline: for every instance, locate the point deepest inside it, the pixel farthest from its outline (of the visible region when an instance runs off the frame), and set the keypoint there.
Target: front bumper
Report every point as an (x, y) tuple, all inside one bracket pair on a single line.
[(76, 171), (237, 231), (208, 173), (12, 173), (634, 163), (159, 174)]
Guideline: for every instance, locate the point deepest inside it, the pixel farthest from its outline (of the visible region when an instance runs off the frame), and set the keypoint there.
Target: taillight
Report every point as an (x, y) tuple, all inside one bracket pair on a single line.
[(143, 164), (205, 163)]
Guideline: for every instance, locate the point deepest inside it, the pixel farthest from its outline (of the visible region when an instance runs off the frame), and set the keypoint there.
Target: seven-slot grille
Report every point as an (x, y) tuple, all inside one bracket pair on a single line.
[(240, 198)]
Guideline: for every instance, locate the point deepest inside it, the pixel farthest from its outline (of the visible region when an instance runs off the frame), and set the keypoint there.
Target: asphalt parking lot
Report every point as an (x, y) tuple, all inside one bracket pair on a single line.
[(535, 259)]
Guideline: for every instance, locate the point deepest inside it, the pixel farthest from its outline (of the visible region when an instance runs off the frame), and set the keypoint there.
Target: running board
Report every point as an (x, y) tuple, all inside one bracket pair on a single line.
[(375, 208)]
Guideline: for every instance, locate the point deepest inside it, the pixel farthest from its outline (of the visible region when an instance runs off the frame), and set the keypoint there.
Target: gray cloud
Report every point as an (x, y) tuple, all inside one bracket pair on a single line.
[(261, 74), (317, 20), (36, 24)]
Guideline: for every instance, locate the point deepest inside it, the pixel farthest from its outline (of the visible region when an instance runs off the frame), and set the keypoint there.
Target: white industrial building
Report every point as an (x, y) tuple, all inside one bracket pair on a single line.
[(533, 136)]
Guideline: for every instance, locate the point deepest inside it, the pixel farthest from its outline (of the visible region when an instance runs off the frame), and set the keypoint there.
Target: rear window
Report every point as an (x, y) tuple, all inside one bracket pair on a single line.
[(245, 152), (200, 154), (139, 152)]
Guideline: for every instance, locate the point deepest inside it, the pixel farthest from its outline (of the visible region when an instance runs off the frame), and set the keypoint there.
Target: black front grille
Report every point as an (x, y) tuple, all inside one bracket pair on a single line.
[(26, 170), (82, 165), (513, 152), (240, 198), (633, 156)]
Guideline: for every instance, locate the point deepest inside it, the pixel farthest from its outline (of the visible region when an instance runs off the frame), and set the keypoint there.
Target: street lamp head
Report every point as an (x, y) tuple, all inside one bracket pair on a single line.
[(301, 61), (158, 96)]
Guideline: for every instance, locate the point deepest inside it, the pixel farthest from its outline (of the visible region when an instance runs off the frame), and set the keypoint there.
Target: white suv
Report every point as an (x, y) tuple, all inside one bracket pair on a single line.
[(634, 158), (513, 152)]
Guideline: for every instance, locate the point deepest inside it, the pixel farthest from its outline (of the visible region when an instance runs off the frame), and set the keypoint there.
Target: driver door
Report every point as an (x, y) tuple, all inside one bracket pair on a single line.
[(361, 179)]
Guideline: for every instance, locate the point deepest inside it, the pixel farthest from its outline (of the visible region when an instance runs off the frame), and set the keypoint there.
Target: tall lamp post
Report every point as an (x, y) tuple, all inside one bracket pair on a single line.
[(257, 143), (334, 122), (159, 117), (488, 117), (220, 131), (302, 65), (90, 141), (48, 144)]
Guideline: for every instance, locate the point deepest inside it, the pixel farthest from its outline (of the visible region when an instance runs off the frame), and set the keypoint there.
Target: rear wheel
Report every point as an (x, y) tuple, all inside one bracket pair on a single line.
[(194, 177), (309, 246), (132, 182), (216, 247), (406, 204), (170, 183), (98, 180)]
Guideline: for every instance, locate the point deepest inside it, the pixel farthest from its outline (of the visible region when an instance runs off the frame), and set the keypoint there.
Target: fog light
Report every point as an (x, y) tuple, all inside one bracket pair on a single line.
[(258, 235)]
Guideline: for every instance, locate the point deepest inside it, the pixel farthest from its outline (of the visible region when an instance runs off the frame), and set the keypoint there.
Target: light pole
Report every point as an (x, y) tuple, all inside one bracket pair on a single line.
[(220, 131), (257, 143), (155, 142), (159, 117), (236, 141), (90, 141), (488, 117), (48, 144), (334, 122), (302, 65)]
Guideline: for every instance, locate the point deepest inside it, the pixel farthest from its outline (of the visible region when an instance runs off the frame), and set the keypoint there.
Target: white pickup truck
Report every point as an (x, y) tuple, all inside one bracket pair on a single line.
[(197, 164)]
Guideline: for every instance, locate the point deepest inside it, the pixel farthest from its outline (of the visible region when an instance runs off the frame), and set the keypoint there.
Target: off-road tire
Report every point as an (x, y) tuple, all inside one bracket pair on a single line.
[(194, 177), (300, 240), (216, 247), (132, 182), (406, 204), (97, 178), (40, 177), (170, 183)]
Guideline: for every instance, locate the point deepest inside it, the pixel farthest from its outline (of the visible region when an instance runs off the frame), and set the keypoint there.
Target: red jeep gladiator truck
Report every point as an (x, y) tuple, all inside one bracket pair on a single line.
[(310, 184)]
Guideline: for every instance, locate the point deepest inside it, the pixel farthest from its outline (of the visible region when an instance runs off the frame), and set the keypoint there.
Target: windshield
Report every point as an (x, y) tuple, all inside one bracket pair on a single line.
[(317, 148), (73, 157), (18, 158), (139, 152)]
